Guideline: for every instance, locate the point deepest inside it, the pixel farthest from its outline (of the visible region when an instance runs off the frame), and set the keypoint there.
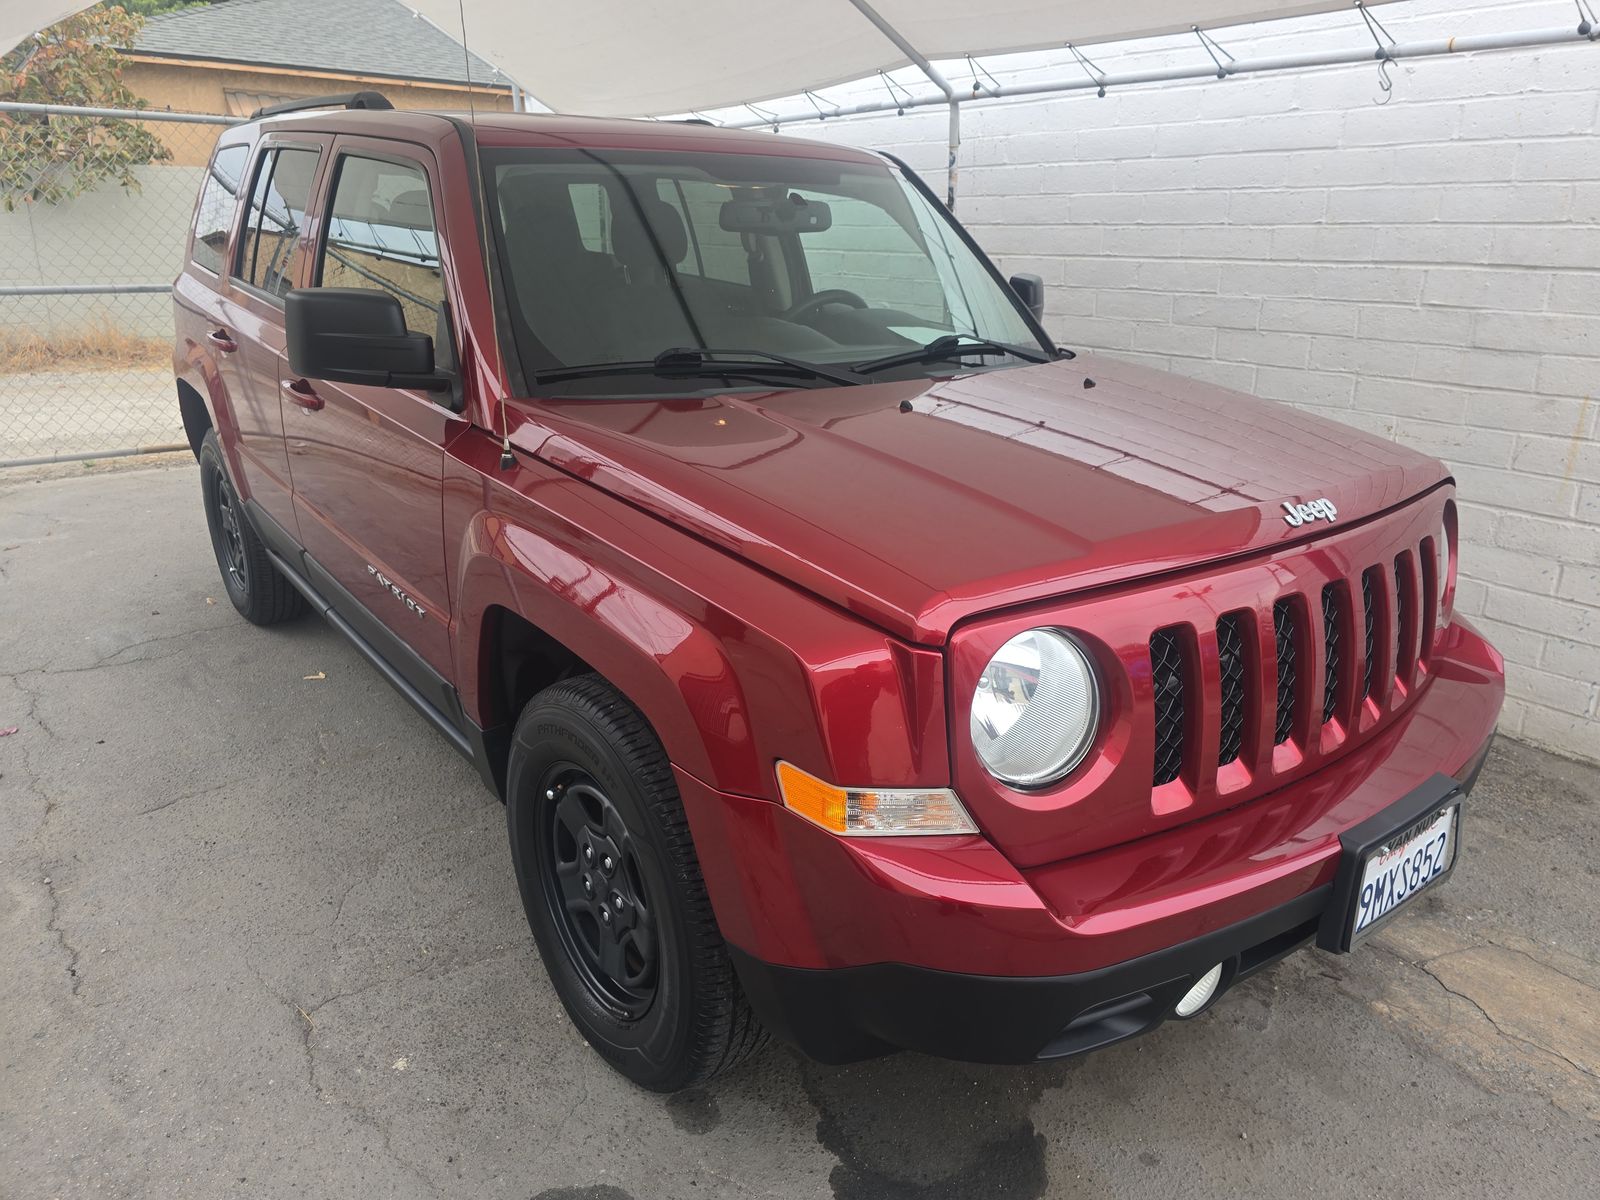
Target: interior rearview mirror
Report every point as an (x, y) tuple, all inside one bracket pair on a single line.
[(357, 335), (1030, 290), (790, 214)]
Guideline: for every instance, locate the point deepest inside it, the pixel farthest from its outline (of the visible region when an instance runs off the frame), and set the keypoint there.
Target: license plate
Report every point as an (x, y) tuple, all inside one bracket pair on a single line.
[(1403, 867)]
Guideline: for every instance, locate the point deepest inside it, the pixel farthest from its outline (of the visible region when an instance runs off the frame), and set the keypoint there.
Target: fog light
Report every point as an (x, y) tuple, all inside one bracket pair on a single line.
[(1200, 994)]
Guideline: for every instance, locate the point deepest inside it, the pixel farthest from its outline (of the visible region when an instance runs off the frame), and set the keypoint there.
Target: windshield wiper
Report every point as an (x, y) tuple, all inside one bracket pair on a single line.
[(679, 362), (949, 346)]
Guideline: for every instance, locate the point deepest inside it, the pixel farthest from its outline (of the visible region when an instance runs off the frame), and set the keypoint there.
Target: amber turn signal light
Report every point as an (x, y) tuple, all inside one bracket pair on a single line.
[(872, 812)]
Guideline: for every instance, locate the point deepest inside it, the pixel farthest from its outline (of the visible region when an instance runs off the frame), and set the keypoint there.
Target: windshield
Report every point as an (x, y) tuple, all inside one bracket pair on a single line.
[(618, 256)]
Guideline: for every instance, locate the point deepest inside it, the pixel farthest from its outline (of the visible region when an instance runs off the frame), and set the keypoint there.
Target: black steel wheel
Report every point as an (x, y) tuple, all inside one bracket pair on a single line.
[(595, 892), (256, 587), (228, 539), (613, 891)]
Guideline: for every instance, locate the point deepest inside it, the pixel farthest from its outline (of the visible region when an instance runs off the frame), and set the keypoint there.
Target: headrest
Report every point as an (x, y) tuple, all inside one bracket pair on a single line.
[(639, 250)]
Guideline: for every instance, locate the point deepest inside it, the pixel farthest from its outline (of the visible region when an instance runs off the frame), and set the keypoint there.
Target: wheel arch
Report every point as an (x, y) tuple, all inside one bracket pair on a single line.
[(522, 630), (196, 416)]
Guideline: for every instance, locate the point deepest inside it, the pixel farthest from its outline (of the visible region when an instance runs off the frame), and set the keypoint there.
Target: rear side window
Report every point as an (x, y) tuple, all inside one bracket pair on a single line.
[(218, 196), (381, 235), (715, 253), (591, 205), (276, 216)]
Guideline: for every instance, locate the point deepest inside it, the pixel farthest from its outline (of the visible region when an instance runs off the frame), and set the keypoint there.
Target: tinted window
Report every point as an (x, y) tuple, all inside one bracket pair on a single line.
[(381, 235), (218, 196), (276, 217)]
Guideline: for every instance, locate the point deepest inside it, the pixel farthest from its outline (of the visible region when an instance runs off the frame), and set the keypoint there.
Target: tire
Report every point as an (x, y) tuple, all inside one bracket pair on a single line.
[(591, 798), (257, 588)]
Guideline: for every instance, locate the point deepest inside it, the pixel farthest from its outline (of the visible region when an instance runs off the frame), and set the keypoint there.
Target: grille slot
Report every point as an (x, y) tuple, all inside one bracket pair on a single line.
[(1430, 596), (1405, 620), (1332, 603), (1369, 609), (1283, 628), (1230, 658), (1167, 679)]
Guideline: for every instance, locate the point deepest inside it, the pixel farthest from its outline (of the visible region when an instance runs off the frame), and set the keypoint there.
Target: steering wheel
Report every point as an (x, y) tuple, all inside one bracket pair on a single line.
[(822, 299)]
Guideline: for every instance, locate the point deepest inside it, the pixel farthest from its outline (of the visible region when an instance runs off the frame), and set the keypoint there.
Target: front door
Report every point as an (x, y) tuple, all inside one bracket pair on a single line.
[(367, 462), (267, 262)]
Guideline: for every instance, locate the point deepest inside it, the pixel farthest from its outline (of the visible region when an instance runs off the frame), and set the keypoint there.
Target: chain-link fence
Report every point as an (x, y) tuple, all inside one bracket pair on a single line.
[(94, 208)]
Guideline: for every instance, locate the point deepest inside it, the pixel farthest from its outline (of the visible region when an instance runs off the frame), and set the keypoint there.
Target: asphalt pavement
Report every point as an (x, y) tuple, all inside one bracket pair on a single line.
[(259, 936)]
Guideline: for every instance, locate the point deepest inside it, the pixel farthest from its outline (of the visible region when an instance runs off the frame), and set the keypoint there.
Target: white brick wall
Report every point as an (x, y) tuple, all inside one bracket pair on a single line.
[(1428, 270)]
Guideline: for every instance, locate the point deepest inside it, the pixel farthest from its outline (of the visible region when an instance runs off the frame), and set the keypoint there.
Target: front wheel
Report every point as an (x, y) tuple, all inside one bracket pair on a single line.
[(256, 587), (613, 891)]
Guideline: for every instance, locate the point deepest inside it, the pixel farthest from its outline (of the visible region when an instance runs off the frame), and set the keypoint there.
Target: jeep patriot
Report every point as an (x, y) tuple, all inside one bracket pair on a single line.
[(855, 665)]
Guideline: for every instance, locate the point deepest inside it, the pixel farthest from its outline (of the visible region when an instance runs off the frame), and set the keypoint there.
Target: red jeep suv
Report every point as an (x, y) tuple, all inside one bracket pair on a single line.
[(854, 663)]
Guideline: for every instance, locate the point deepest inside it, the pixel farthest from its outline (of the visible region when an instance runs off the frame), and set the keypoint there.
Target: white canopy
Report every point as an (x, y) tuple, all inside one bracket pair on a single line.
[(653, 57)]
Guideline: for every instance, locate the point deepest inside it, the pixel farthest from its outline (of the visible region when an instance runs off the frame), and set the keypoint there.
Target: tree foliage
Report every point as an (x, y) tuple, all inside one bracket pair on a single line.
[(53, 158), (149, 8)]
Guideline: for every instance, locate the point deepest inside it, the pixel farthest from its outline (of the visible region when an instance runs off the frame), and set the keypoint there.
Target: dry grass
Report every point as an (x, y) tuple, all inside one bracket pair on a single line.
[(101, 347)]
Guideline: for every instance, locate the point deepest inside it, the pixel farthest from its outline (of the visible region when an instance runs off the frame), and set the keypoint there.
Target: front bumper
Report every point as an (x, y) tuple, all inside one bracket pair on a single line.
[(853, 946), (846, 1015)]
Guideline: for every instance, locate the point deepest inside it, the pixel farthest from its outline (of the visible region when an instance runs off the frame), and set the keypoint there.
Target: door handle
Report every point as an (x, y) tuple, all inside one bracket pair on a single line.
[(222, 341), (301, 392)]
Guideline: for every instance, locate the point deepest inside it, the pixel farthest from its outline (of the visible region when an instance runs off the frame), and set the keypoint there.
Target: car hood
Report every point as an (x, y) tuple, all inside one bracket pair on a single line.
[(919, 503)]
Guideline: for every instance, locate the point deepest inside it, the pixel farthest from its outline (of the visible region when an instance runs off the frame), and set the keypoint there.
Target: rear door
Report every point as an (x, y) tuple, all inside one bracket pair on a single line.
[(204, 336), (367, 462), (269, 259)]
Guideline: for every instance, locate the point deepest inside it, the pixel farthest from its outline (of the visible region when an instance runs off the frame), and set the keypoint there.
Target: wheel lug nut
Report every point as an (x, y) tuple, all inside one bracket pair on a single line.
[(588, 854), (617, 902), (606, 864), (550, 794), (605, 916), (588, 886)]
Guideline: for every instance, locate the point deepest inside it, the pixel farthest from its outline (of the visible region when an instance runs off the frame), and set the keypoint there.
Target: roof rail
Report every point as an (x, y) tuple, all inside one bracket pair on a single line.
[(344, 100)]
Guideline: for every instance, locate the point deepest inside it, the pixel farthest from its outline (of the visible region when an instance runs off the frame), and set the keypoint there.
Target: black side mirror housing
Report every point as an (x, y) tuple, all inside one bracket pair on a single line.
[(1030, 290), (357, 335)]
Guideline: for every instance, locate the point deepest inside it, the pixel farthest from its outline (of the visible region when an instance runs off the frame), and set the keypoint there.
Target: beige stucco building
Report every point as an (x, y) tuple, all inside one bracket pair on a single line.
[(235, 56)]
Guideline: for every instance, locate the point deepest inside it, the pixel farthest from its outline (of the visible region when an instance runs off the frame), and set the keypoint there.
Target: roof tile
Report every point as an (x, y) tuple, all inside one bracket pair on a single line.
[(357, 37)]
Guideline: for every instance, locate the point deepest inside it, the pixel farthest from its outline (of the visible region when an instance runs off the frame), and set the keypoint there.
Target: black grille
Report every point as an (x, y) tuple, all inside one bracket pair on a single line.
[(1283, 630), (1166, 676), (1331, 603), (1370, 618), (1230, 658)]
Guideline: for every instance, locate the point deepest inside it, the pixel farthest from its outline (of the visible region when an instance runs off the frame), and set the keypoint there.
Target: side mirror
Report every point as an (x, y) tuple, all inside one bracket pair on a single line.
[(1030, 290), (357, 335)]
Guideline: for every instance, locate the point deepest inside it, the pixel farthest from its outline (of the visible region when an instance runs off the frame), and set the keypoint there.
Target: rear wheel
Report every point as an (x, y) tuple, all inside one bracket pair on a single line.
[(613, 890), (256, 587)]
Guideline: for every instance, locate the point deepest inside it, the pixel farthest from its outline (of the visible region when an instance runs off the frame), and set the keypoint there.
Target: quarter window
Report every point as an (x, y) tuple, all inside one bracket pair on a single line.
[(218, 198), (381, 235), (276, 217)]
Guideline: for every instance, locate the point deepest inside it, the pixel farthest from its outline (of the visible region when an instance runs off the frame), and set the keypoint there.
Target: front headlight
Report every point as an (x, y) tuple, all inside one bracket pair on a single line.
[(1035, 710)]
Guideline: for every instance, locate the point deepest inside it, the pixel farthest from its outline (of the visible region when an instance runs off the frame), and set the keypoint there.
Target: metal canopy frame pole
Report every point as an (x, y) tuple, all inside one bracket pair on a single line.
[(938, 80), (1435, 48)]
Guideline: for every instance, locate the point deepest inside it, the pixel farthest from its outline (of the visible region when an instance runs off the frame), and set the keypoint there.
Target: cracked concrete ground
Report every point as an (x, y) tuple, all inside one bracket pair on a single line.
[(259, 936)]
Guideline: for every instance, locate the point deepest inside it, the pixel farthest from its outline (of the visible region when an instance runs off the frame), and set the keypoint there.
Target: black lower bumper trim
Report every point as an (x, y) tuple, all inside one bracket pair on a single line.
[(844, 1015)]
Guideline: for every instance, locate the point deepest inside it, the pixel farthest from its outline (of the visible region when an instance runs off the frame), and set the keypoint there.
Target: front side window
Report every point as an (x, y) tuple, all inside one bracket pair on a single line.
[(276, 216), (613, 257), (381, 235), (218, 198)]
